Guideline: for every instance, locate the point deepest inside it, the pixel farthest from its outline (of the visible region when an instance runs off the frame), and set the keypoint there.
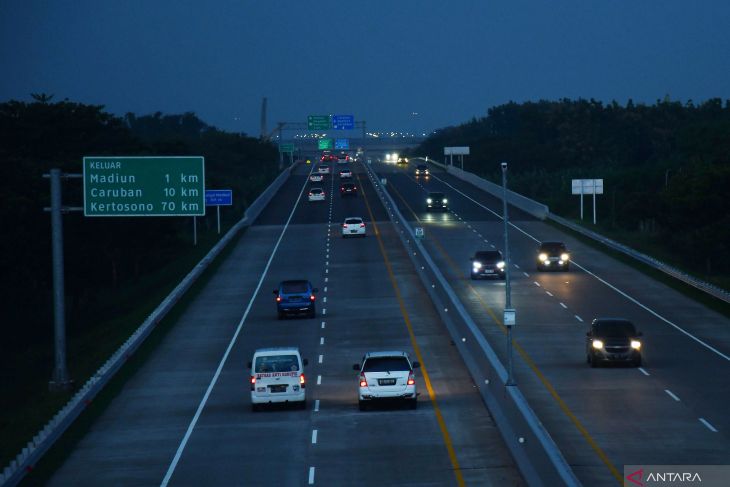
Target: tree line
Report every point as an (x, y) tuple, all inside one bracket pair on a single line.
[(665, 166), (101, 254)]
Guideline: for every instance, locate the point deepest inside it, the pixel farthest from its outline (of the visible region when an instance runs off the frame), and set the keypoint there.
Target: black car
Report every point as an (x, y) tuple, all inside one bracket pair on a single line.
[(422, 170), (295, 297), (436, 201), (487, 263), (613, 340), (553, 256), (348, 189)]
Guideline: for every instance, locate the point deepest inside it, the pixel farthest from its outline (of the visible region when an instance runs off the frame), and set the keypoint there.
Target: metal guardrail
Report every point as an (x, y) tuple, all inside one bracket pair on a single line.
[(537, 456), (533, 207), (52, 431)]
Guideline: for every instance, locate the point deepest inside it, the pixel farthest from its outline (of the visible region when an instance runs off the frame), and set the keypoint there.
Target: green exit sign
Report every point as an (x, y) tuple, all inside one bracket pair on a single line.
[(319, 122), (144, 186), (324, 144), (286, 147)]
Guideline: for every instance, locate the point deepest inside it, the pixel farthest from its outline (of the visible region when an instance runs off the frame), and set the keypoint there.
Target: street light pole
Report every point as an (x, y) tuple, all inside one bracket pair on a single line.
[(509, 312)]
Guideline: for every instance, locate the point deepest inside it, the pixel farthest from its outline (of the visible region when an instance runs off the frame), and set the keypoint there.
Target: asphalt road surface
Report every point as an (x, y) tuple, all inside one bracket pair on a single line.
[(185, 417), (673, 410)]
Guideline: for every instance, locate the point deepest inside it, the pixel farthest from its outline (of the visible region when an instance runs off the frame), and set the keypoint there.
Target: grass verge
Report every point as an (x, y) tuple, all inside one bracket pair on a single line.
[(88, 352), (687, 290)]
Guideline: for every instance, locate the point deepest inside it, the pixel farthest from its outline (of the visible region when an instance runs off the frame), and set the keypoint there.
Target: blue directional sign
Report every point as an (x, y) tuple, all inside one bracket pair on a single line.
[(343, 122), (342, 143), (218, 197)]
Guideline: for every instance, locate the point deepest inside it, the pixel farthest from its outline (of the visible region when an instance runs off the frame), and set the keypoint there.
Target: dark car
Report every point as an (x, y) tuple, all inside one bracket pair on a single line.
[(613, 340), (422, 170), (436, 201), (348, 189), (487, 263), (295, 298), (553, 256)]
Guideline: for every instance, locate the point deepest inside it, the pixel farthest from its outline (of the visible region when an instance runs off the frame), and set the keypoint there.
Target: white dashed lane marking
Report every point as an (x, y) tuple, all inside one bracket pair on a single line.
[(641, 369), (671, 394), (549, 293), (526, 274), (709, 426), (536, 283), (311, 475), (324, 299), (321, 340), (563, 305), (579, 318), (316, 405), (319, 380), (314, 437), (320, 358)]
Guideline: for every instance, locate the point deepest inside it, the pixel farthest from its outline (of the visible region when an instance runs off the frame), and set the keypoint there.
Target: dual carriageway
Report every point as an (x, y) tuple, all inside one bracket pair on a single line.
[(185, 419)]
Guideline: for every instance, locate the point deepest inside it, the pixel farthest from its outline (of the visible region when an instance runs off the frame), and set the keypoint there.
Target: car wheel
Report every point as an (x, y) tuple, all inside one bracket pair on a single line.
[(473, 277), (593, 361), (567, 267), (503, 277), (413, 403), (637, 362), (312, 312), (362, 405)]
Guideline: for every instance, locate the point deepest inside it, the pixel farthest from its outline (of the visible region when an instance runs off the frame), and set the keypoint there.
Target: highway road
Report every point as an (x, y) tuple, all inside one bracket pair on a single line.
[(185, 418), (673, 410)]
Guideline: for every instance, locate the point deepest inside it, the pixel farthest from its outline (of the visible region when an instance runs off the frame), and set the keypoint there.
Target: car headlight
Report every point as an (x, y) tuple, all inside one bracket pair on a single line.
[(429, 201), (500, 265), (477, 265), (598, 344), (444, 201), (636, 344), (564, 257), (542, 257)]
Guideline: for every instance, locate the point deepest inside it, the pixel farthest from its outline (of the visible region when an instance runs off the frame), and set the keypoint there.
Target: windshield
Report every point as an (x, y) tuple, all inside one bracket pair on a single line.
[(614, 329), (353, 221), (488, 256), (553, 247)]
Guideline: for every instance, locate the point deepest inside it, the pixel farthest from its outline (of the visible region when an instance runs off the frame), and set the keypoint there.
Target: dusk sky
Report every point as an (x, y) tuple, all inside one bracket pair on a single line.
[(399, 65)]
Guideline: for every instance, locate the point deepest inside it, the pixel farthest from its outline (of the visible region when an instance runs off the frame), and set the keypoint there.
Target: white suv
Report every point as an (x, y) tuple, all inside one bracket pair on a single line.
[(277, 377), (353, 226), (386, 375)]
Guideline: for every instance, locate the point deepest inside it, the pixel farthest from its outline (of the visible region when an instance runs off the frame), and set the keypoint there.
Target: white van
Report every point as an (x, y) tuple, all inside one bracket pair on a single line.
[(277, 376)]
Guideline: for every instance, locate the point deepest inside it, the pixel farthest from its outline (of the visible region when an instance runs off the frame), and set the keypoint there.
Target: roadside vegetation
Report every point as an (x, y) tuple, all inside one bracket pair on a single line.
[(665, 170), (117, 269)]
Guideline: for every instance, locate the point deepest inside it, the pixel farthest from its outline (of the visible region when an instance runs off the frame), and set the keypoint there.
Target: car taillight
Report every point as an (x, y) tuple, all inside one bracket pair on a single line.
[(344, 225), (302, 382), (363, 382), (310, 194), (311, 297), (362, 225), (278, 299), (253, 382), (411, 379)]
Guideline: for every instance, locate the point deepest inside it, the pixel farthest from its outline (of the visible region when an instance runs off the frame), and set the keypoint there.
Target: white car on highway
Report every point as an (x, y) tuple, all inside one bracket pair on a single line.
[(316, 194), (346, 174), (353, 226), (277, 376), (316, 178), (386, 375), (323, 169)]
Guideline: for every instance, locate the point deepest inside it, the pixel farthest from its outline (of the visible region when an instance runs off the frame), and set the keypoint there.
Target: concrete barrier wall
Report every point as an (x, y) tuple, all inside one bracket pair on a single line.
[(534, 451), (47, 436)]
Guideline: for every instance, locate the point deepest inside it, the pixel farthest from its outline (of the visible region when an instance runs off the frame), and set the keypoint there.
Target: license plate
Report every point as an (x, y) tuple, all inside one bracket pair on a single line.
[(281, 388), (295, 298), (488, 271), (386, 382), (353, 231)]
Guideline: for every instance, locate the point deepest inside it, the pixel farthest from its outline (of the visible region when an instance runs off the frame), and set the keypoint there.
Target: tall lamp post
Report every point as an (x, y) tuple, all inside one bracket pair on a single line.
[(509, 312)]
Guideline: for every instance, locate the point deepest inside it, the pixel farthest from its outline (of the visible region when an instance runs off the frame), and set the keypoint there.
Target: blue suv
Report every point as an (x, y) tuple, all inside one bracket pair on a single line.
[(295, 297)]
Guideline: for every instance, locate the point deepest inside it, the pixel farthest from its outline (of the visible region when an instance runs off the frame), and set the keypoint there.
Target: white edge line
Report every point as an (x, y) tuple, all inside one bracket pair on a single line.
[(314, 437), (316, 405), (311, 475), (706, 345), (191, 426), (319, 380), (563, 305), (578, 318), (641, 369), (549, 293)]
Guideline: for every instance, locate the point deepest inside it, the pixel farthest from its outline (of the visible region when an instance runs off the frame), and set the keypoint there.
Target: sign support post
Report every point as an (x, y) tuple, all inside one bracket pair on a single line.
[(218, 212), (594, 201), (60, 380)]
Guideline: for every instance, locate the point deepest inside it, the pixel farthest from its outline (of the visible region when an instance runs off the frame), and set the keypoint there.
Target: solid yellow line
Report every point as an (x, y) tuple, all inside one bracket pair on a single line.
[(526, 357), (416, 348)]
